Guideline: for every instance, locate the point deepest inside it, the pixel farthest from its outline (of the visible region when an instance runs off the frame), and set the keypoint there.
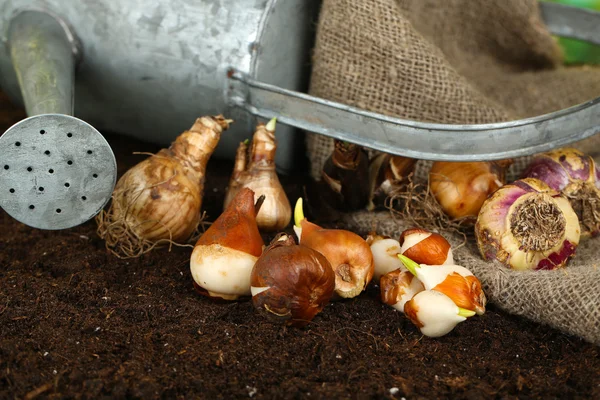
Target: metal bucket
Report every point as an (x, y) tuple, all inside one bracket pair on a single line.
[(149, 68)]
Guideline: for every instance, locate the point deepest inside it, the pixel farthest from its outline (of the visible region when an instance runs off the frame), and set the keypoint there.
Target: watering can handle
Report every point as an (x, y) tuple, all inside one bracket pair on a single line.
[(431, 141)]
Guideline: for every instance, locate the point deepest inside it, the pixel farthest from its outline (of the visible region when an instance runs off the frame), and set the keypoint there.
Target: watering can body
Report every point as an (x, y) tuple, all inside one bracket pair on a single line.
[(149, 68)]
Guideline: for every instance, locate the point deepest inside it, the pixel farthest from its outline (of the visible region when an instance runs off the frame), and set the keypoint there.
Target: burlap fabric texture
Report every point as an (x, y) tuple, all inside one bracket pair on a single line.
[(461, 61)]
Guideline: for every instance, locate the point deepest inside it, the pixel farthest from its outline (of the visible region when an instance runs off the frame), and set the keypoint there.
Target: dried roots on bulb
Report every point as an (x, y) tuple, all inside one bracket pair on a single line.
[(577, 177), (345, 177), (291, 283), (349, 255), (223, 257), (527, 225), (460, 188), (256, 170), (387, 173), (159, 200)]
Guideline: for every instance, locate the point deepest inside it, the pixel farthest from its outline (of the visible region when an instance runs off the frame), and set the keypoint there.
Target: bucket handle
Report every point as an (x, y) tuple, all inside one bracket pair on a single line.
[(432, 141)]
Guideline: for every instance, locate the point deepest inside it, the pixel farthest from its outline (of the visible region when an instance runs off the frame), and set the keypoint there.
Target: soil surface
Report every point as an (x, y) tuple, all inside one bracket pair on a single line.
[(77, 322)]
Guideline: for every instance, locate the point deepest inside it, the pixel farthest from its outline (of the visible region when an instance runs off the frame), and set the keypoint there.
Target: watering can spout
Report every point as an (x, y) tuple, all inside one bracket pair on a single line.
[(58, 170), (44, 53)]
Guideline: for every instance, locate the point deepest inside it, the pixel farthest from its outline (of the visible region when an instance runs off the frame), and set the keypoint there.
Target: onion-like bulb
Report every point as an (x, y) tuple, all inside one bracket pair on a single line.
[(575, 175), (159, 200), (225, 254), (527, 225), (455, 281), (256, 171), (398, 287), (386, 173), (434, 313), (460, 188), (349, 255), (291, 283), (345, 175), (385, 252)]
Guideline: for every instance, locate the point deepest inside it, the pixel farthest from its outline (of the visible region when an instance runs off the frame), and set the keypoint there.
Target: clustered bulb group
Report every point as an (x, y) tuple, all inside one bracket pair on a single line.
[(287, 281), (533, 223), (433, 292)]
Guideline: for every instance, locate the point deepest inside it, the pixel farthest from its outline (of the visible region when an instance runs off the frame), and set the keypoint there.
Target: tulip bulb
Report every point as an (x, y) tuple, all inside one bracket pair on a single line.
[(425, 247), (256, 171), (527, 225), (349, 255), (455, 281), (461, 188), (291, 283), (223, 257), (434, 313), (345, 174), (399, 286), (575, 175), (385, 252), (386, 173), (159, 200)]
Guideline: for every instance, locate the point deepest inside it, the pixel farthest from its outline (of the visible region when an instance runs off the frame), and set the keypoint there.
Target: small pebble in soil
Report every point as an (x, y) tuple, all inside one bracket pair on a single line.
[(251, 391), (394, 391), (45, 354)]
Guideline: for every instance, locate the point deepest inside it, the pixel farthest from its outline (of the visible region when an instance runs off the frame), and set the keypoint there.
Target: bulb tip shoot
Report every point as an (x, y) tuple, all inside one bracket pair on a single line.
[(271, 124), (463, 312), (298, 212), (410, 265)]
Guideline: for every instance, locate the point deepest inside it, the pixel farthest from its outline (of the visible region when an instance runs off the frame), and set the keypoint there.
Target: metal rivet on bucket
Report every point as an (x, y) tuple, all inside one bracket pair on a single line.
[(57, 170)]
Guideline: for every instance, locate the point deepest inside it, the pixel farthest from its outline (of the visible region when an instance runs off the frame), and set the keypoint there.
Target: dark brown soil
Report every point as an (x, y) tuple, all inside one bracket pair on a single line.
[(76, 322)]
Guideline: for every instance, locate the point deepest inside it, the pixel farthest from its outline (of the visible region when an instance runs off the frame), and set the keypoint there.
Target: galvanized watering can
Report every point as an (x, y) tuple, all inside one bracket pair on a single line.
[(149, 68)]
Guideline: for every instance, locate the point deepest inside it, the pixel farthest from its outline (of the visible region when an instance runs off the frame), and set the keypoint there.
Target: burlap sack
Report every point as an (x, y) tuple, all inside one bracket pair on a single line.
[(461, 61)]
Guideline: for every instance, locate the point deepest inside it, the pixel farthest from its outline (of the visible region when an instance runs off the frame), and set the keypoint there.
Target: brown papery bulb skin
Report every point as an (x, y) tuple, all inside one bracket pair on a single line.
[(465, 291), (161, 197), (349, 255), (225, 254), (399, 286), (291, 283), (575, 175), (387, 173), (256, 171), (460, 188), (425, 247)]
